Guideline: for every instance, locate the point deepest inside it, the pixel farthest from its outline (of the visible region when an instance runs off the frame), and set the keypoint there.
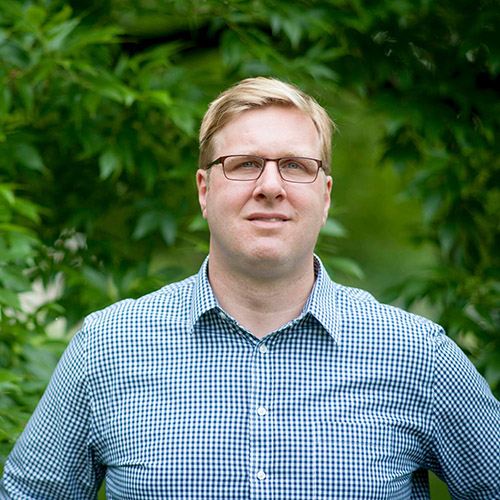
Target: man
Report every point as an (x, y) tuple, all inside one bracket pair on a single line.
[(260, 377)]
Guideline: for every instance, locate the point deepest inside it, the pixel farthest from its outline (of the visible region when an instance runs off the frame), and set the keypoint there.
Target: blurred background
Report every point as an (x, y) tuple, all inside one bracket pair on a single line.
[(100, 104)]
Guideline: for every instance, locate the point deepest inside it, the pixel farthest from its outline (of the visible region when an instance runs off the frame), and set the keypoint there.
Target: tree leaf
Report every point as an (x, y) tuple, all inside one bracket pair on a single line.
[(168, 229), (36, 15), (14, 279), (9, 298), (5, 102), (27, 208), (345, 265), (27, 96), (232, 50), (109, 162), (293, 30), (147, 223), (28, 156), (184, 119), (56, 37), (333, 228), (7, 193)]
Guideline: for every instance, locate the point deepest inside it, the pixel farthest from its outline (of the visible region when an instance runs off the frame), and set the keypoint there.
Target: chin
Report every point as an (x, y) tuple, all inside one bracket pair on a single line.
[(265, 254), (270, 261)]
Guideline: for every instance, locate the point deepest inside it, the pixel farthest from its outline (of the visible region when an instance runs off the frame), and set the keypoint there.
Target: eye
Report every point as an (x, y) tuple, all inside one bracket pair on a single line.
[(248, 164), (292, 164), (245, 163)]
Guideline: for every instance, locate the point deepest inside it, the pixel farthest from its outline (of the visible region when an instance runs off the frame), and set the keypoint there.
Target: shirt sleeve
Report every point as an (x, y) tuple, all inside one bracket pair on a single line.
[(54, 457), (466, 427)]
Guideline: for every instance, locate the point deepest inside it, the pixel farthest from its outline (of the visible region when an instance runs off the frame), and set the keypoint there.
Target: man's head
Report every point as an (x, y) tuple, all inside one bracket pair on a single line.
[(260, 92), (268, 192)]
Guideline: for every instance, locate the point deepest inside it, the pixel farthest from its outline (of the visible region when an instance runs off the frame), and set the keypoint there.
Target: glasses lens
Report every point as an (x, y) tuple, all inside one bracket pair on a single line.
[(242, 168), (298, 169)]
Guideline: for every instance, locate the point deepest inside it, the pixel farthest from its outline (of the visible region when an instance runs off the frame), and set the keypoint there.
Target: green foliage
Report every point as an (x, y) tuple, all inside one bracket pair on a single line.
[(96, 146), (437, 86), (99, 109)]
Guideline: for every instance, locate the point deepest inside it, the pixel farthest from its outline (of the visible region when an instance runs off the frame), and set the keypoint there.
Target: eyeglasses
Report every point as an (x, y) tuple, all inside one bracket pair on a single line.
[(250, 168)]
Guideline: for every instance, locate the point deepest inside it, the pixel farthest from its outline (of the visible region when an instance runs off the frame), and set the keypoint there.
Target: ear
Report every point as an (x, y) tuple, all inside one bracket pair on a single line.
[(328, 192), (202, 183)]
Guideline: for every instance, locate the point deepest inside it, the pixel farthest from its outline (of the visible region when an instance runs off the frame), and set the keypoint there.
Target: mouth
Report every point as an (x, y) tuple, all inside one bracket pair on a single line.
[(269, 219)]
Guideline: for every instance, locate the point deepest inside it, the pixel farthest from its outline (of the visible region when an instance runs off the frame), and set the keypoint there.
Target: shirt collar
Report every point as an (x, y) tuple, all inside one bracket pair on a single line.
[(203, 299), (321, 304)]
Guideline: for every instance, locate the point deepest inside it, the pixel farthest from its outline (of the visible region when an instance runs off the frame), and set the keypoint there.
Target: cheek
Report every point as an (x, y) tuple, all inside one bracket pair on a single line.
[(221, 205), (314, 207)]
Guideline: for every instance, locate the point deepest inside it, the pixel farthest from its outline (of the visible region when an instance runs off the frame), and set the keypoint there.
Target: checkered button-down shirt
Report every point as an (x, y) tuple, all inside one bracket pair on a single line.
[(168, 397)]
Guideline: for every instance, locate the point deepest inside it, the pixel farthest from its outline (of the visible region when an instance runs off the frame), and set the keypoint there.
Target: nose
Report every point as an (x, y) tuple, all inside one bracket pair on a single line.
[(270, 185)]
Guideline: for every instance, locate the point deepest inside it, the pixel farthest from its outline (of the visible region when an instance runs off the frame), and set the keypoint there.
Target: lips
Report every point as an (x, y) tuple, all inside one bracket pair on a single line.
[(268, 217)]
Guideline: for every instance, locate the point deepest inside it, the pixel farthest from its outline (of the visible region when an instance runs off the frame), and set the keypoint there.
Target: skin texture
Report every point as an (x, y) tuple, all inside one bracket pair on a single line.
[(254, 256)]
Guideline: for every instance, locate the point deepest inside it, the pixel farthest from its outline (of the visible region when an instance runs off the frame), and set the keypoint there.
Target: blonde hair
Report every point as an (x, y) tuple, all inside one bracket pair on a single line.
[(262, 92)]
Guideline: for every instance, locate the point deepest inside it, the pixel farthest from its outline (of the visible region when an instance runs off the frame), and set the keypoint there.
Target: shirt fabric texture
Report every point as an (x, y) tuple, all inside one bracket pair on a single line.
[(167, 397)]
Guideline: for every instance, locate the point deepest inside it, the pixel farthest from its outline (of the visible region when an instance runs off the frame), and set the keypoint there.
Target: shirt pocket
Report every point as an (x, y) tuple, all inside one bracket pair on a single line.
[(359, 460)]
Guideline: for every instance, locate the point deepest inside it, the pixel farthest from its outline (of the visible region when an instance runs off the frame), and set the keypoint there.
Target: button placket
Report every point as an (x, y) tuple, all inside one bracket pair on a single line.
[(261, 433)]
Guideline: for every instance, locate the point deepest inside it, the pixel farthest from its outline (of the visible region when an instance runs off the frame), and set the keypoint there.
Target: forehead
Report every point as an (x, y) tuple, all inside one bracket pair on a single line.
[(273, 130)]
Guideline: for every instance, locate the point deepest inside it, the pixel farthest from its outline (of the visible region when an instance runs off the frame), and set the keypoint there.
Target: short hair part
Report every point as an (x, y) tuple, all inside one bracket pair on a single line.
[(261, 92)]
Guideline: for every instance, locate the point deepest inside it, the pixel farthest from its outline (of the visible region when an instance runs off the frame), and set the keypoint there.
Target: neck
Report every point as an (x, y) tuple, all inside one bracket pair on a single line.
[(261, 302)]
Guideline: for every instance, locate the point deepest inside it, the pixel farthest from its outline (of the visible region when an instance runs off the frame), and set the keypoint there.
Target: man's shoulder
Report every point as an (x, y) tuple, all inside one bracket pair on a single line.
[(173, 298), (359, 306)]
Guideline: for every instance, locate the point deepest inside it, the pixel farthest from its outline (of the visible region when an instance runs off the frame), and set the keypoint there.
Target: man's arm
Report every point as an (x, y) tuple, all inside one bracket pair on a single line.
[(54, 458), (466, 430)]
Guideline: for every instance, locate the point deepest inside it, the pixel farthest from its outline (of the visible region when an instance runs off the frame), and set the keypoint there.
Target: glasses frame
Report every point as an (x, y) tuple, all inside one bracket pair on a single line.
[(222, 159)]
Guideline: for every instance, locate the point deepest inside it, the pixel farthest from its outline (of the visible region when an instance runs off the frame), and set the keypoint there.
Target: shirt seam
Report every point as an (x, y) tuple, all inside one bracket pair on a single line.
[(94, 436)]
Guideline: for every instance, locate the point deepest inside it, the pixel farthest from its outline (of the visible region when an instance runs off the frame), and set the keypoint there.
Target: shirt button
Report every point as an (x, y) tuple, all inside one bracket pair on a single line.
[(263, 349), (222, 315), (261, 411), (261, 475)]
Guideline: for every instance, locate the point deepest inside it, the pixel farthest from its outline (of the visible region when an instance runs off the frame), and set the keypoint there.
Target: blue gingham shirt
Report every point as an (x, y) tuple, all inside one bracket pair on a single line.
[(167, 397)]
